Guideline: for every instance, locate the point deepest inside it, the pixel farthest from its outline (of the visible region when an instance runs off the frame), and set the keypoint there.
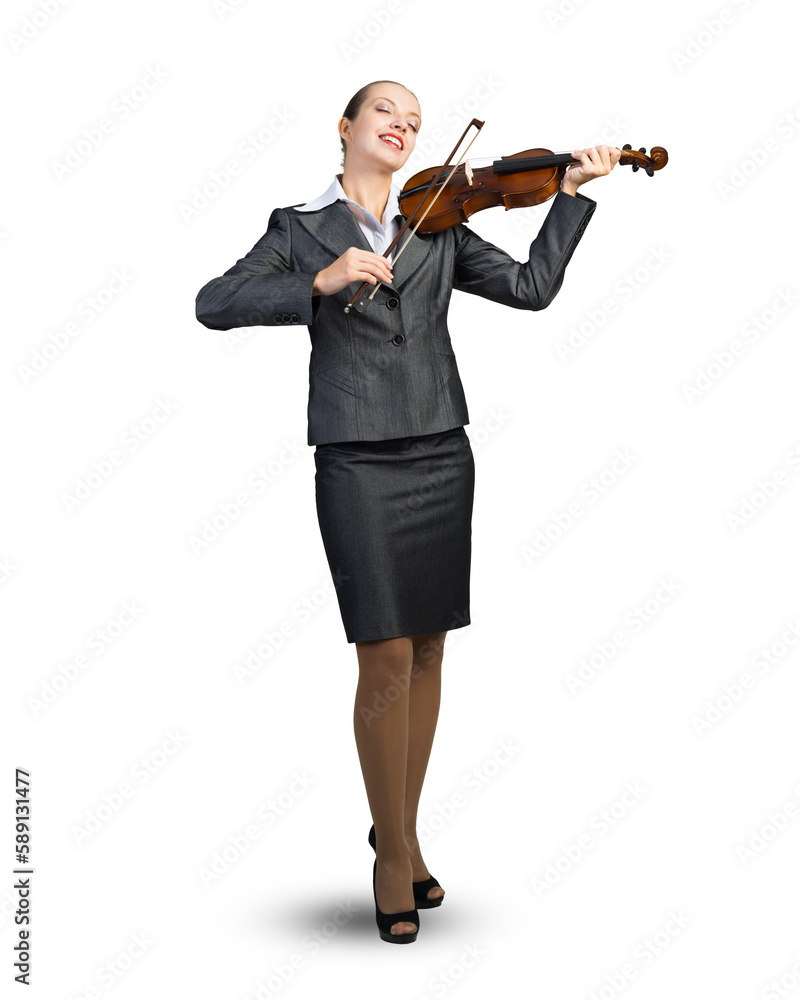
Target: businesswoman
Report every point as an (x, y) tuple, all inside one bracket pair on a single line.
[(386, 413)]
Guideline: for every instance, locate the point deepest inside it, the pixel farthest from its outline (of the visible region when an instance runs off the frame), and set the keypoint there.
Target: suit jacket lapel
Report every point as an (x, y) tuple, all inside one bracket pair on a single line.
[(414, 253), (337, 229)]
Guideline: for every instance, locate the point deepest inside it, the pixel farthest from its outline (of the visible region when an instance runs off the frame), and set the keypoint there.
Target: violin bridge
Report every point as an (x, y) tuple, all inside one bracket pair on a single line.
[(468, 172)]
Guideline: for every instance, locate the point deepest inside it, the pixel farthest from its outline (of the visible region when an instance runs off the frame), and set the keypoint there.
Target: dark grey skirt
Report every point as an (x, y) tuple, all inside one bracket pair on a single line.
[(396, 523)]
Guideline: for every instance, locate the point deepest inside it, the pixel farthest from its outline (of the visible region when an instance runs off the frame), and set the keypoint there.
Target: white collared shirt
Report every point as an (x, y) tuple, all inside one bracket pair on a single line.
[(379, 234)]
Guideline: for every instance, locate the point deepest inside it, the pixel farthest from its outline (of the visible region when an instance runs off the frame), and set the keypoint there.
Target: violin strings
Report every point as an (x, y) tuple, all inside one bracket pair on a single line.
[(488, 160)]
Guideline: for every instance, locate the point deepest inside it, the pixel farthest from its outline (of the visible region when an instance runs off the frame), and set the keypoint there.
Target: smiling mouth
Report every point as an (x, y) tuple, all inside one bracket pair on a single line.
[(392, 140)]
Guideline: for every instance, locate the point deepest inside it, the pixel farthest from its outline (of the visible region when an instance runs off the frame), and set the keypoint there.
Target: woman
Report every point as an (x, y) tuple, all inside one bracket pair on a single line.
[(394, 467)]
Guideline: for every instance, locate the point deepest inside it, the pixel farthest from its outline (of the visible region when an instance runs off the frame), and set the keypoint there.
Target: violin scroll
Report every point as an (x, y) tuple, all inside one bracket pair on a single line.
[(655, 161)]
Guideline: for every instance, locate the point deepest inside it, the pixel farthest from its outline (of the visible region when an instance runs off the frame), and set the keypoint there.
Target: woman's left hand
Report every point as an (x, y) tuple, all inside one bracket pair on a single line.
[(595, 162)]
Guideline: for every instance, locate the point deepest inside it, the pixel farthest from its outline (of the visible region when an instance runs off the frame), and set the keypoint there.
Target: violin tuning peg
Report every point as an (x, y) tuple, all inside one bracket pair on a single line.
[(643, 149), (649, 170), (634, 167), (627, 146)]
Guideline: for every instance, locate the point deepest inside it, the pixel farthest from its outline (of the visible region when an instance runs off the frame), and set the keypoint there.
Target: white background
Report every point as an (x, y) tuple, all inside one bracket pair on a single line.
[(671, 271)]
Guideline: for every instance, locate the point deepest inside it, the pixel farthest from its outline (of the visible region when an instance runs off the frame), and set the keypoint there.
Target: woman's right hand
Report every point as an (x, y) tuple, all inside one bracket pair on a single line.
[(353, 265)]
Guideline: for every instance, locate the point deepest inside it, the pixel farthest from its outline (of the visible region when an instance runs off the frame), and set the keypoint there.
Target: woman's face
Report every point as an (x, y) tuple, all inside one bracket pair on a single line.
[(385, 130)]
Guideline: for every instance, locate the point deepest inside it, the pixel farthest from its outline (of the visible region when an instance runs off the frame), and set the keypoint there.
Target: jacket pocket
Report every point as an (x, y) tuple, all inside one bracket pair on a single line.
[(341, 375), (334, 366)]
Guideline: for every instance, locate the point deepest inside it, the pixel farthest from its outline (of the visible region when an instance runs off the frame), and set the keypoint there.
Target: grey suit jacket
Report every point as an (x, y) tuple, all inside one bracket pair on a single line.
[(389, 371)]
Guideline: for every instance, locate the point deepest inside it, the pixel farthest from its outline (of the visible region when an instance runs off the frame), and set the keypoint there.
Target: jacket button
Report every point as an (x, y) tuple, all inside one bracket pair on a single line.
[(295, 318), (392, 303), (278, 318), (287, 318), (398, 338)]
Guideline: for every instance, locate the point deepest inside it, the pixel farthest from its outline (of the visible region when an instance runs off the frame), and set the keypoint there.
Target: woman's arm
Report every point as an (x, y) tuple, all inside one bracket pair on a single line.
[(484, 269), (260, 289)]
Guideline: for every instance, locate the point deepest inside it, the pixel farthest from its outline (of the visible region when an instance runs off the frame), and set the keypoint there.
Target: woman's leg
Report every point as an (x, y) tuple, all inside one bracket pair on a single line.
[(423, 711), (381, 723)]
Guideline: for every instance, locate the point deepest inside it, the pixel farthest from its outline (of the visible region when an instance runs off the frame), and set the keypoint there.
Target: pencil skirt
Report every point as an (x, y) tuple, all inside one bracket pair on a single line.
[(396, 523)]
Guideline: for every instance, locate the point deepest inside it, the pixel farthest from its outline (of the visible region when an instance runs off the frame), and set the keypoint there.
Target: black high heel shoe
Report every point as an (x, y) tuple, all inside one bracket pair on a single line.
[(386, 920), (421, 889)]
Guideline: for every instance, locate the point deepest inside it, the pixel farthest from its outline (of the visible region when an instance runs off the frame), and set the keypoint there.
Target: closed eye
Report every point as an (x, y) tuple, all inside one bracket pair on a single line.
[(388, 112)]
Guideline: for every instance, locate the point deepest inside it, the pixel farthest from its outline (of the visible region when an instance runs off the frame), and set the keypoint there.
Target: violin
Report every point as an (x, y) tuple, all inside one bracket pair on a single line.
[(517, 181)]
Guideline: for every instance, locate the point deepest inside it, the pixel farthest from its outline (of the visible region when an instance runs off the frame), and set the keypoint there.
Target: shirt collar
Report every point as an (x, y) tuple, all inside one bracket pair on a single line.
[(335, 192)]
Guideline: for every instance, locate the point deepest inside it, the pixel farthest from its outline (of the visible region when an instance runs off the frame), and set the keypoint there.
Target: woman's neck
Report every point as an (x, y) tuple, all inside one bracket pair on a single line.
[(370, 189)]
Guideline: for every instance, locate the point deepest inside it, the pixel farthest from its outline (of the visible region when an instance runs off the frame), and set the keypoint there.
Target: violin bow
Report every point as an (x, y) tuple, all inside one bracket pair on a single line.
[(360, 301)]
